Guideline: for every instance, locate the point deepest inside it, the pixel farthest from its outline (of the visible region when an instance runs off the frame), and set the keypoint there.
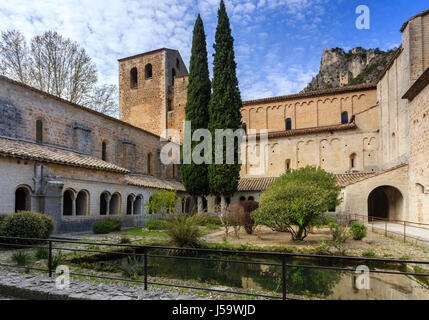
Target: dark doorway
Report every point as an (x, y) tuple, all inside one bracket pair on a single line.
[(67, 203), (103, 204), (22, 199)]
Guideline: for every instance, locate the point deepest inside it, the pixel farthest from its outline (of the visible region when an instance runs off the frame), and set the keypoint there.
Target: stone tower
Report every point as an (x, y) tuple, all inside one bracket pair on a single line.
[(147, 85)]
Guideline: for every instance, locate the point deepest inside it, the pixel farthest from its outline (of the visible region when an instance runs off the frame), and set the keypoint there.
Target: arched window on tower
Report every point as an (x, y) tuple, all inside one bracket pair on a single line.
[(288, 124), (133, 78), (344, 117), (353, 161), (148, 71), (39, 131)]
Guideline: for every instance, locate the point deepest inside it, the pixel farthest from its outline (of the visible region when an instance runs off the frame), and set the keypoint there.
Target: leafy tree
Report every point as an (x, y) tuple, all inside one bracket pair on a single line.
[(224, 107), (297, 200), (194, 175), (58, 66), (162, 201)]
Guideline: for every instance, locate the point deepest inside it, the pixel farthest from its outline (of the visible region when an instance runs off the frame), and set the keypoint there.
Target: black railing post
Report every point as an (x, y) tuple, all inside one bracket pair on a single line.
[(284, 277), (145, 268), (50, 259)]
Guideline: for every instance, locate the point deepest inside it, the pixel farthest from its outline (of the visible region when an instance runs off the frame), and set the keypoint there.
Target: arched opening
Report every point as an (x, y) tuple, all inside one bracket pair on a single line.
[(68, 198), (148, 71), (115, 204), (242, 198), (22, 199), (204, 204), (288, 124), (287, 164), (353, 161), (82, 203), (344, 117), (104, 151), (39, 131), (251, 198), (104, 202), (130, 203), (137, 209), (385, 202), (133, 78)]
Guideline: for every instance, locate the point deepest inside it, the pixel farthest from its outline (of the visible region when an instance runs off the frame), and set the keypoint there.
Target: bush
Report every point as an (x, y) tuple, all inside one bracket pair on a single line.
[(41, 253), (2, 218), (27, 224), (21, 258), (358, 231), (183, 231), (370, 253), (340, 234), (156, 225), (124, 240), (297, 200), (107, 226)]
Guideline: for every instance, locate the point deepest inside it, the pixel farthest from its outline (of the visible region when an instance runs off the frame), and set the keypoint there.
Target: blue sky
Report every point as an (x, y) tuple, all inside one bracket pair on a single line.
[(278, 43)]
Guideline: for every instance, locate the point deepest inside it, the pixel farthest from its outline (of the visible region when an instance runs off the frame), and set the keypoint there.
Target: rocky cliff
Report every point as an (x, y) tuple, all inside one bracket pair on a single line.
[(340, 68)]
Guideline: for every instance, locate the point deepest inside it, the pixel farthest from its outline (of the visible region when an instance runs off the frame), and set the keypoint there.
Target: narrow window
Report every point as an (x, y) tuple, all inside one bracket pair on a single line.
[(344, 117), (173, 74), (133, 78), (103, 151), (288, 124), (169, 105), (177, 64), (244, 127), (39, 131), (149, 163), (353, 161), (287, 164), (148, 71)]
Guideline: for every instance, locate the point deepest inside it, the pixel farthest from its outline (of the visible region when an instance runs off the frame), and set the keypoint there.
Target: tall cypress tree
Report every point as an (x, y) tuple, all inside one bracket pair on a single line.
[(194, 176), (224, 107)]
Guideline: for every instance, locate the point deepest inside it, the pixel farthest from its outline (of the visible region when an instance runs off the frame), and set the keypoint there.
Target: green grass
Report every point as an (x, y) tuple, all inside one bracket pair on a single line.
[(140, 232)]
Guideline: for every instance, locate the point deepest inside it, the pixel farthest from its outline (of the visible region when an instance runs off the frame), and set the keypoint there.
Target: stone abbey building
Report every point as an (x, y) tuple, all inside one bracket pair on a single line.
[(80, 166)]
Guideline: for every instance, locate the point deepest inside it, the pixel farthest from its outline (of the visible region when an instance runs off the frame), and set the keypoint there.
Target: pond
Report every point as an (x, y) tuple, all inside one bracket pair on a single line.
[(300, 281)]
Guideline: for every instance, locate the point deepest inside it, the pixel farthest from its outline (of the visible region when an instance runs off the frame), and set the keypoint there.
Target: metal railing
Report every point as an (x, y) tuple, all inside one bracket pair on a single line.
[(281, 257), (372, 222)]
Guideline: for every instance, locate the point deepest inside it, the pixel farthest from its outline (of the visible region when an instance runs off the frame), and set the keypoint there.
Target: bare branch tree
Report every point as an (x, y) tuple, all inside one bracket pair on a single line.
[(104, 99), (14, 56)]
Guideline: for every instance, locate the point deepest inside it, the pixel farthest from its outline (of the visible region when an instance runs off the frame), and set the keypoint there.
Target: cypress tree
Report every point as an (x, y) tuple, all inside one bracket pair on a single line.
[(224, 107), (194, 176)]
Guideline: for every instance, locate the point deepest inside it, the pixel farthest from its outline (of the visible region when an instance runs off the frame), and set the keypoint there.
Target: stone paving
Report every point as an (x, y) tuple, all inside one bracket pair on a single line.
[(38, 286)]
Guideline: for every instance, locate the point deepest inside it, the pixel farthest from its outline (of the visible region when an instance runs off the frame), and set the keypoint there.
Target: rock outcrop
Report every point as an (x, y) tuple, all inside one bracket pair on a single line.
[(340, 68)]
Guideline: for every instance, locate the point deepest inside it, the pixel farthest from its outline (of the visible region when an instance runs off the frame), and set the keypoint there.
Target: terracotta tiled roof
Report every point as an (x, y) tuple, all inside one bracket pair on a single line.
[(345, 179), (153, 182), (32, 151), (255, 184), (317, 93), (262, 183), (312, 130)]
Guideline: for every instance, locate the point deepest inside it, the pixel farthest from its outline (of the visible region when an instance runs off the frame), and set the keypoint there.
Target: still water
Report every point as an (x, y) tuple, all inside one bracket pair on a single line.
[(300, 281)]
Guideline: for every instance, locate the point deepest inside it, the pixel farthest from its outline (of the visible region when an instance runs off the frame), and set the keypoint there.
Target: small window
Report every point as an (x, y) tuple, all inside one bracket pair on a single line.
[(353, 161), (344, 117), (177, 64), (103, 151), (173, 74), (169, 105), (39, 131), (244, 127), (148, 71), (287, 164), (149, 163), (288, 124), (133, 78)]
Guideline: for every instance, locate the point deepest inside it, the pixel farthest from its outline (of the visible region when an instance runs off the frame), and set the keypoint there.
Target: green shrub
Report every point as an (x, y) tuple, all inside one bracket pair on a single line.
[(21, 258), (358, 231), (57, 260), (2, 218), (41, 253), (183, 231), (107, 226), (27, 224), (209, 221), (340, 234), (124, 240), (297, 200), (132, 267), (370, 253), (156, 225), (323, 248)]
